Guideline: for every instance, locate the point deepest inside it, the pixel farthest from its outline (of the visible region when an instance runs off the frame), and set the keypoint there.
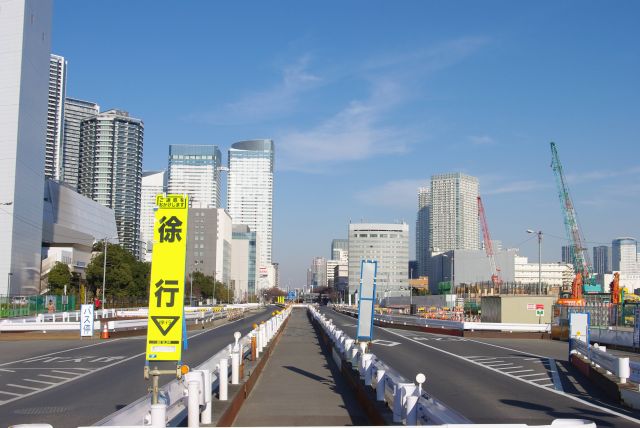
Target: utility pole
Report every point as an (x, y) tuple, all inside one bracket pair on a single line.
[(104, 273)]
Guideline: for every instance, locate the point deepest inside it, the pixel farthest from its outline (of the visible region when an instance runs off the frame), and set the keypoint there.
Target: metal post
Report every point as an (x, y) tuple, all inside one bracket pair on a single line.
[(193, 404), (235, 367), (104, 274), (158, 415), (539, 262), (223, 373)]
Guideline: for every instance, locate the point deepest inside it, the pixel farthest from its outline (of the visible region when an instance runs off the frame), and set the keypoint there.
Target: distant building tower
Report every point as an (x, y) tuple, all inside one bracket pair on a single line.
[(339, 248), (75, 111), (567, 254), (422, 232), (453, 216), (195, 170), (25, 41), (244, 249), (624, 254), (319, 271), (388, 243), (153, 183), (55, 117), (276, 272), (111, 170), (602, 259), (250, 192)]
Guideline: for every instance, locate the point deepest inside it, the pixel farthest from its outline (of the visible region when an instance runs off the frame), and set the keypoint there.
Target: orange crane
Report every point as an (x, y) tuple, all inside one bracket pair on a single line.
[(488, 245)]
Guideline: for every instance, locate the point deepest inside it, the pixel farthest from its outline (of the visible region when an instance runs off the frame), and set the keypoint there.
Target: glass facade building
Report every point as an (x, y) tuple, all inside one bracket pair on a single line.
[(422, 232), (244, 275), (195, 170), (153, 183), (250, 190), (111, 170)]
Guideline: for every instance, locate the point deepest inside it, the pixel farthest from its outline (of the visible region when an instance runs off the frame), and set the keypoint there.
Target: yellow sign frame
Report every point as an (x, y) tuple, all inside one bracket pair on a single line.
[(167, 286)]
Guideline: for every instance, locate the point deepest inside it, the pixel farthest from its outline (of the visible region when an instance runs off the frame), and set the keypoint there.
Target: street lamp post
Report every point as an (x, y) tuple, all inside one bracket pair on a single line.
[(9, 274), (104, 273), (539, 233)]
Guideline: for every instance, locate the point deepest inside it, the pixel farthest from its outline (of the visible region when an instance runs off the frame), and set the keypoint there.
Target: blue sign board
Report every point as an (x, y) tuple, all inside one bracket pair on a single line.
[(291, 295), (366, 299)]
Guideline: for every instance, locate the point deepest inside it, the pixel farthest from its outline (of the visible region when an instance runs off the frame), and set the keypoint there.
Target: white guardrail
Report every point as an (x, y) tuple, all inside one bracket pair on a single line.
[(410, 320), (621, 367), (192, 395), (409, 404), (71, 320)]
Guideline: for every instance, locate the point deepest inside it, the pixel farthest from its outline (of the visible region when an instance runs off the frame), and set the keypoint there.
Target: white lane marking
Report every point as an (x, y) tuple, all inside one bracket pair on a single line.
[(91, 371), (555, 376), (65, 372), (53, 377), (546, 385), (40, 381), (22, 386), (529, 375), (531, 359), (499, 365), (519, 371), (553, 391), (485, 358), (7, 370), (539, 379), (60, 352), (10, 393), (388, 343)]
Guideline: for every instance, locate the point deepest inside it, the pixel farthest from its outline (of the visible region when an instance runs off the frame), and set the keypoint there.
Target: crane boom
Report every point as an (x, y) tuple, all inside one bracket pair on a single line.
[(581, 260), (488, 245)]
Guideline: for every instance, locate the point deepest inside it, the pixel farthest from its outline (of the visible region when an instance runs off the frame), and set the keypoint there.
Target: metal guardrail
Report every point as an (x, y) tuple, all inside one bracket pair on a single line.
[(450, 324), (598, 355)]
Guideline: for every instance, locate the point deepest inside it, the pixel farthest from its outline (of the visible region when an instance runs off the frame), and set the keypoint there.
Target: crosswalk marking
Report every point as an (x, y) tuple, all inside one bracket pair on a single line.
[(22, 386), (40, 381), (64, 372), (54, 377), (10, 393)]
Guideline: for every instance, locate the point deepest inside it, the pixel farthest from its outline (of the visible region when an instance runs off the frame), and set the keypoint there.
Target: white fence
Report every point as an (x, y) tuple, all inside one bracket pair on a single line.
[(599, 357)]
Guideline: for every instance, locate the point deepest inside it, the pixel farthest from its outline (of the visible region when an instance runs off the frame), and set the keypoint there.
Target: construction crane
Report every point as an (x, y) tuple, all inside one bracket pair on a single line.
[(584, 279), (488, 245)]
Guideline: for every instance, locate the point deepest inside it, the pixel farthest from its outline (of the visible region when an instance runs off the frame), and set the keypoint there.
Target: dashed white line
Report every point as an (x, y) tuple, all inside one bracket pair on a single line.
[(529, 375), (22, 386), (54, 377), (10, 393), (7, 370), (519, 371), (39, 381)]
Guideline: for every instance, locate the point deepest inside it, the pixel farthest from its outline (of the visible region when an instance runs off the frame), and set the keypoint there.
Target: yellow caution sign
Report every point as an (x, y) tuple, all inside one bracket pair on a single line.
[(166, 296)]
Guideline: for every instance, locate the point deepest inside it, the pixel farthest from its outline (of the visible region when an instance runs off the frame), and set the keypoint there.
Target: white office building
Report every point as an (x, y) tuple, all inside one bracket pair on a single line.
[(25, 48), (388, 243), (453, 217), (55, 117), (195, 170), (75, 111), (250, 194), (244, 275), (626, 260), (153, 183)]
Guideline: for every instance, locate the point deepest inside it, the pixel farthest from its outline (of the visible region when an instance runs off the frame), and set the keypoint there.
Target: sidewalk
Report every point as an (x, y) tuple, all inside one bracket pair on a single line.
[(298, 387)]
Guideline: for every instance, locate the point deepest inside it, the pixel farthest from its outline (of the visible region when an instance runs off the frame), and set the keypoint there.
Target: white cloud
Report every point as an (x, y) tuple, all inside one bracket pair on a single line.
[(402, 194), (481, 140), (279, 100)]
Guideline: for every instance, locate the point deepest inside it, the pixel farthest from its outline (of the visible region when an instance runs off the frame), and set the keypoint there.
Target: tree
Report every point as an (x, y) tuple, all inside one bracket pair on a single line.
[(126, 276), (59, 276)]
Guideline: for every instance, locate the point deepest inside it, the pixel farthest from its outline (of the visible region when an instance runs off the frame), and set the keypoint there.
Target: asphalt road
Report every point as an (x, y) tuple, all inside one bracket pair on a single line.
[(76, 383), (495, 380)]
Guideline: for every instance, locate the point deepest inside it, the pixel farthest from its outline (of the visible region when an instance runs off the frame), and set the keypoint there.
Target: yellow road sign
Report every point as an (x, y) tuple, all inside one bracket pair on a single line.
[(166, 296)]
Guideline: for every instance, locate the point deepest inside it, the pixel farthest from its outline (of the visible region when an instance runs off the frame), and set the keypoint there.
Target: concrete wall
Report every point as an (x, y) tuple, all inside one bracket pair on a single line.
[(513, 309)]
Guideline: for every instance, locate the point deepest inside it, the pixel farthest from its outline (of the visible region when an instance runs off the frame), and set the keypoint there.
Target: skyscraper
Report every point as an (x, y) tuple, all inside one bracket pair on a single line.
[(195, 170), (25, 46), (602, 259), (153, 183), (422, 231), (55, 117), (75, 111), (111, 170), (624, 255), (339, 248), (453, 216), (567, 254), (250, 191)]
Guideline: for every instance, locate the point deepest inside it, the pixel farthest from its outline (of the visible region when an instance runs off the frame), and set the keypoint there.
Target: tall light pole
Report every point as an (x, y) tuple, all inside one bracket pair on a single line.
[(9, 283), (539, 233), (104, 273)]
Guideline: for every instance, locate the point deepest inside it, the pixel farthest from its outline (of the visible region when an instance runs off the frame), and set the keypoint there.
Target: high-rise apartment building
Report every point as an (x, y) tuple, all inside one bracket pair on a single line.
[(55, 117), (319, 272), (75, 111), (153, 183), (195, 170), (389, 245), (244, 274), (624, 254), (453, 216), (250, 191), (25, 46), (422, 231), (602, 259), (111, 170)]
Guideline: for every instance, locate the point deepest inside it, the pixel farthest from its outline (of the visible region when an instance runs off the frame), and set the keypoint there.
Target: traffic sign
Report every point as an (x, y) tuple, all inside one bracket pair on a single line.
[(539, 312), (166, 297)]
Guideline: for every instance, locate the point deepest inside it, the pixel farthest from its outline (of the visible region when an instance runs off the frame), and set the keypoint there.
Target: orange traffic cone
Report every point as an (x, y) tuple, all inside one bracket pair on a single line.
[(105, 331)]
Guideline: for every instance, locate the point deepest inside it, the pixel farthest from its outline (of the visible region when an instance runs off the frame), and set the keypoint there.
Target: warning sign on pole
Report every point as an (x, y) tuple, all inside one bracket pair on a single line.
[(166, 296)]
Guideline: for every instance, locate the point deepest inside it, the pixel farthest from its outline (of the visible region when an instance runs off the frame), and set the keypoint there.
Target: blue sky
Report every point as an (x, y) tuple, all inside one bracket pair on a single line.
[(365, 100)]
